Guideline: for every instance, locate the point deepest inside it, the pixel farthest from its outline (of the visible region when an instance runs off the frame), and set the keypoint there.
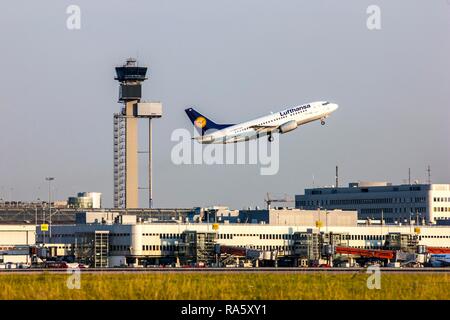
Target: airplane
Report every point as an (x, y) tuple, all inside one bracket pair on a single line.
[(281, 122)]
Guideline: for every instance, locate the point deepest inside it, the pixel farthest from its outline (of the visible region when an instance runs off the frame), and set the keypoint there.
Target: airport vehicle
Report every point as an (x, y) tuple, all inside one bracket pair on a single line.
[(440, 260), (280, 122), (64, 265)]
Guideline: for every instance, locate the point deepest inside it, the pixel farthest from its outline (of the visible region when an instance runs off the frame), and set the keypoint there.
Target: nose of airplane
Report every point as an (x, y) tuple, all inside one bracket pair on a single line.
[(333, 107)]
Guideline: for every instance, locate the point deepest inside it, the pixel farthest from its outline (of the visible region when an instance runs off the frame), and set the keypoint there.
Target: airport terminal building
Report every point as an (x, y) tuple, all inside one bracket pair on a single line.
[(422, 203), (15, 241), (111, 239)]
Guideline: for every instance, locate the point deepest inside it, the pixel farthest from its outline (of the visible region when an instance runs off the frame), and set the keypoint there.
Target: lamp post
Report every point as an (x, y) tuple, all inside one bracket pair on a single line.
[(35, 215), (50, 179), (36, 218)]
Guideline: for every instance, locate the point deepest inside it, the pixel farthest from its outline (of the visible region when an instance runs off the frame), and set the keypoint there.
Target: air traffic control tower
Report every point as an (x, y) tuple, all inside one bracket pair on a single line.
[(126, 188)]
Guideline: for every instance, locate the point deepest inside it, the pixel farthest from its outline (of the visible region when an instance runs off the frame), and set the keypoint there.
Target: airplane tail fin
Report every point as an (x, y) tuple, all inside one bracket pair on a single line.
[(202, 123)]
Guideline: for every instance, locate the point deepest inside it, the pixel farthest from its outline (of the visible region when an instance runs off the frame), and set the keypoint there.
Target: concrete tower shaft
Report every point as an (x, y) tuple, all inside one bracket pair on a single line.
[(130, 77)]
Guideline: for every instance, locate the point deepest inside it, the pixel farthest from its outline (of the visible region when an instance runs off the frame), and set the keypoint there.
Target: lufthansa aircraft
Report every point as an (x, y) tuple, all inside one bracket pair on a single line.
[(281, 122)]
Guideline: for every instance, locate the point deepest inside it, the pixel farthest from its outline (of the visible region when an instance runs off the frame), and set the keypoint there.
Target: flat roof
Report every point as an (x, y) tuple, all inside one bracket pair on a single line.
[(356, 188)]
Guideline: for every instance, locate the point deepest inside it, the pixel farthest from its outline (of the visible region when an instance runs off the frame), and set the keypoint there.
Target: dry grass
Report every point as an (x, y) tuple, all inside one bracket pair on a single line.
[(224, 286)]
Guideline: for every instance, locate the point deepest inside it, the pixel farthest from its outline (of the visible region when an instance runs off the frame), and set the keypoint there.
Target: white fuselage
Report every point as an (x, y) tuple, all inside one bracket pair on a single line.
[(291, 118)]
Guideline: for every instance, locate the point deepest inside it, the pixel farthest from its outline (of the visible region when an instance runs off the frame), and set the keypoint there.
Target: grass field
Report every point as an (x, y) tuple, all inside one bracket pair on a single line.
[(224, 286)]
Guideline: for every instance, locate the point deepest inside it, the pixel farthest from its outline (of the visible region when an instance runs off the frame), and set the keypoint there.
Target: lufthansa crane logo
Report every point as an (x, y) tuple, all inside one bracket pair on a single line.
[(200, 122)]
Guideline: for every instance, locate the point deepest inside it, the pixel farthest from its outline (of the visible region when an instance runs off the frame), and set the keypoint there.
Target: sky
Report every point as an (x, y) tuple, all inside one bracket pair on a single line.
[(233, 61)]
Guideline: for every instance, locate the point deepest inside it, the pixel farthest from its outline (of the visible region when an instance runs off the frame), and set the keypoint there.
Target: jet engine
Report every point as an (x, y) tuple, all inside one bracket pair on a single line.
[(288, 126), (204, 139)]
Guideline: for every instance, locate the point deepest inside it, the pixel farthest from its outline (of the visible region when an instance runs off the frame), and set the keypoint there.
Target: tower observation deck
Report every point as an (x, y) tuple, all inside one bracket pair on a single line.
[(130, 76)]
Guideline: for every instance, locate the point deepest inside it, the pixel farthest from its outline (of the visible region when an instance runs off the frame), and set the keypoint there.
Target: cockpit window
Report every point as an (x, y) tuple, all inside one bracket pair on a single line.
[(325, 103)]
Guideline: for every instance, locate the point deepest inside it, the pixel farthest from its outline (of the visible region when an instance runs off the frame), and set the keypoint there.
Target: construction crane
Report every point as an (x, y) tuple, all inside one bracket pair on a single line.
[(271, 199)]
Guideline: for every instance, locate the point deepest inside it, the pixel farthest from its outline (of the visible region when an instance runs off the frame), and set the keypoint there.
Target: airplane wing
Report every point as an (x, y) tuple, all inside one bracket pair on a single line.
[(261, 129)]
